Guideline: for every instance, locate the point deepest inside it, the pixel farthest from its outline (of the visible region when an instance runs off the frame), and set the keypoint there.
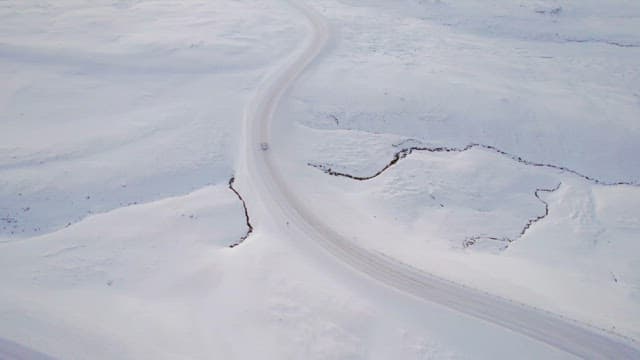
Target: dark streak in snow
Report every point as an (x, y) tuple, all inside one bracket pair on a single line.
[(407, 151), (246, 214), (605, 42), (474, 239)]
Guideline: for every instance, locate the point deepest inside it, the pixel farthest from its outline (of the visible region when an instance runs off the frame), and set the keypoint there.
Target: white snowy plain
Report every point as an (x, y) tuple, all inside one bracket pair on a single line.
[(120, 124)]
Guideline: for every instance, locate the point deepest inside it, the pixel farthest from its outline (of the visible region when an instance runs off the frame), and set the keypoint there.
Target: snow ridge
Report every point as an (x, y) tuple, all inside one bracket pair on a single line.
[(407, 151)]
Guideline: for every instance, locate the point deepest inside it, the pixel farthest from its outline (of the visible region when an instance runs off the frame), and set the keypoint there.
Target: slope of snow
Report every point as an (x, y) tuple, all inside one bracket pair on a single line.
[(106, 104)]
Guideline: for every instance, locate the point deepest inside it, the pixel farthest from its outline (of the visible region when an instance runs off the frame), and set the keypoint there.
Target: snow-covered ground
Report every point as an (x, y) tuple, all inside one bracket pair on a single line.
[(547, 93), (158, 281), (120, 125), (106, 104)]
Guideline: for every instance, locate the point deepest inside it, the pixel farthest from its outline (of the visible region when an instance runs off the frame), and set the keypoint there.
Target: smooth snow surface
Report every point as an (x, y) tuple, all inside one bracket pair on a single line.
[(122, 123)]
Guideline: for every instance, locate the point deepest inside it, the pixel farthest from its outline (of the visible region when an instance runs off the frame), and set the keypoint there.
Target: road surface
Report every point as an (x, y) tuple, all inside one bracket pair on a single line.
[(267, 183)]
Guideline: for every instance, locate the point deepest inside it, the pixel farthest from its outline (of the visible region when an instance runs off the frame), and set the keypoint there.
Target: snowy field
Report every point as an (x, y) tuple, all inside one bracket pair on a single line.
[(106, 104), (527, 114), (514, 127)]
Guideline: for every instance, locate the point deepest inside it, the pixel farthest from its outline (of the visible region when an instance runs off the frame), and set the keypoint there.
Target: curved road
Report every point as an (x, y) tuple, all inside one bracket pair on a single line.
[(265, 182)]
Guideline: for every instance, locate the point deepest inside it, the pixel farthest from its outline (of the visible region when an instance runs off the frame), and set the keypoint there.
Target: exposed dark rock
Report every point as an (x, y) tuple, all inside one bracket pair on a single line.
[(246, 214)]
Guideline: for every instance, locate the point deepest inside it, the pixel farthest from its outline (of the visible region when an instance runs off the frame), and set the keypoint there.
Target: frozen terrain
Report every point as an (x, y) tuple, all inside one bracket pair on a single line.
[(490, 145), (496, 146), (106, 104)]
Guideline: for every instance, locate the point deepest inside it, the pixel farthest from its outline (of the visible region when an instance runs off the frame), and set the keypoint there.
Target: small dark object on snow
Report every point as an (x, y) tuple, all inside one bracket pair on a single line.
[(264, 146)]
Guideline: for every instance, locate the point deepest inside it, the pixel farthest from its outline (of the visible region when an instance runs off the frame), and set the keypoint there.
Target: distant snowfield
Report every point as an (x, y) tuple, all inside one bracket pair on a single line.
[(119, 125)]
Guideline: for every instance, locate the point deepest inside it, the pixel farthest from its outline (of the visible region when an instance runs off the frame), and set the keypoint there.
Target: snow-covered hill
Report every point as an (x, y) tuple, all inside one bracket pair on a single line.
[(491, 136)]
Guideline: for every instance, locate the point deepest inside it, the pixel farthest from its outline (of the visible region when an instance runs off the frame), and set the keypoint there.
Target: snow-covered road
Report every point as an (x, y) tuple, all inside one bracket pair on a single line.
[(260, 176)]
